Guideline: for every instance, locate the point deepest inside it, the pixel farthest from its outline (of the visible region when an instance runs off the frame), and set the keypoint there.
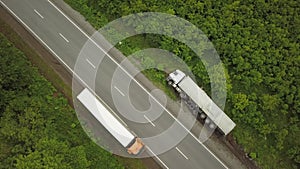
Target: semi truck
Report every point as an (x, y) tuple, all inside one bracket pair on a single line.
[(199, 102), (133, 144)]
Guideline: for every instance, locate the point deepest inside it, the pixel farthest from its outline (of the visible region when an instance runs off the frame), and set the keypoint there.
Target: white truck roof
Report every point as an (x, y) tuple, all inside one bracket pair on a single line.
[(105, 117), (207, 105), (176, 76)]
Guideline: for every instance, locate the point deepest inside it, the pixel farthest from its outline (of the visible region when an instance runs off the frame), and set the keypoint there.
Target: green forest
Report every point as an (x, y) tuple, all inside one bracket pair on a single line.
[(38, 128), (258, 42)]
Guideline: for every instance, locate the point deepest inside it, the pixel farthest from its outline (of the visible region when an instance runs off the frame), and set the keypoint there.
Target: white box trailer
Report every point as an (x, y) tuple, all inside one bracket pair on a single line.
[(185, 85), (133, 144)]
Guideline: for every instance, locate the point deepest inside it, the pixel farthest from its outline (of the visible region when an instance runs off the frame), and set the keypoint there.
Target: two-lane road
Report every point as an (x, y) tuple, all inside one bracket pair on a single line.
[(64, 39)]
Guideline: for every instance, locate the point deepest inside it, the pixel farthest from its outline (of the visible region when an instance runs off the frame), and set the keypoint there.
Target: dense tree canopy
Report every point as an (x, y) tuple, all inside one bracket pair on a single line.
[(34, 130), (258, 41)]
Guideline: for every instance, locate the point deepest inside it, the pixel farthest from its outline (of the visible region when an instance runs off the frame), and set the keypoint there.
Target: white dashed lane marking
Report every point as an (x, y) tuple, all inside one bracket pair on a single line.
[(181, 153), (91, 63), (119, 91), (149, 121), (38, 14), (64, 37)]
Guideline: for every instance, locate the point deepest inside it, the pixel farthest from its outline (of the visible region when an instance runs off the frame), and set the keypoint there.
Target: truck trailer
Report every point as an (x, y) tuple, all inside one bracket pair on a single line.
[(199, 102), (133, 144)]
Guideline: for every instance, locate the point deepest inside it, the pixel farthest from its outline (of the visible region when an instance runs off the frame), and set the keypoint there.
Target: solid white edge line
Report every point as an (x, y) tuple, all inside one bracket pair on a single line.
[(69, 69), (149, 120), (38, 13), (138, 84), (90, 63), (119, 91), (117, 64), (64, 37), (157, 157), (181, 153)]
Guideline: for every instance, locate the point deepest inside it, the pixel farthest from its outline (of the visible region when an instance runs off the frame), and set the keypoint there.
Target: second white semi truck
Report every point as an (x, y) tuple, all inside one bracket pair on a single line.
[(133, 144), (196, 98)]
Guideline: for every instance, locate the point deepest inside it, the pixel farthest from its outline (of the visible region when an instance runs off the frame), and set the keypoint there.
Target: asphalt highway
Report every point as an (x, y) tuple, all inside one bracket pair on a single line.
[(64, 39)]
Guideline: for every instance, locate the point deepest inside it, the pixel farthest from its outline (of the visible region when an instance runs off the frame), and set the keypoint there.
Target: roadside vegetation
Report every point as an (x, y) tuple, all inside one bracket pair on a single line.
[(258, 43), (38, 128), (98, 158)]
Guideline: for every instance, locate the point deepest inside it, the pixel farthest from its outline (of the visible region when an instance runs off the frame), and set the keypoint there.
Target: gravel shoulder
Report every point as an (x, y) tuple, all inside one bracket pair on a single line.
[(225, 148)]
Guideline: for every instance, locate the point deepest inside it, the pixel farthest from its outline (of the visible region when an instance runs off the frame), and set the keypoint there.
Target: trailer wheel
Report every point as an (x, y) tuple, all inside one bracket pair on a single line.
[(211, 125), (202, 116), (183, 96), (207, 120), (195, 112)]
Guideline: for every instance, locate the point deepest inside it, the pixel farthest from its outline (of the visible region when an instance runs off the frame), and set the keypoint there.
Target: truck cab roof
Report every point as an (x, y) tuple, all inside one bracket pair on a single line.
[(176, 76)]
